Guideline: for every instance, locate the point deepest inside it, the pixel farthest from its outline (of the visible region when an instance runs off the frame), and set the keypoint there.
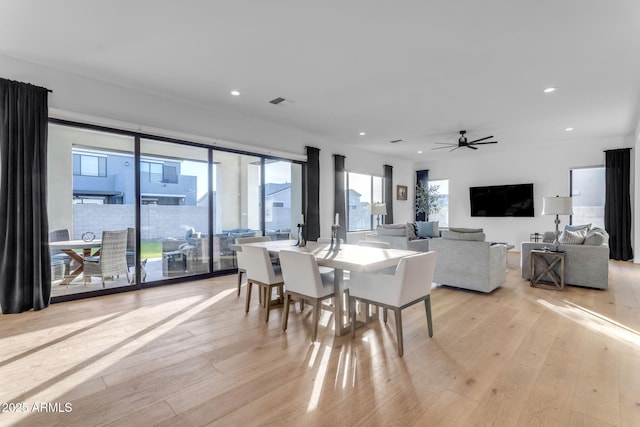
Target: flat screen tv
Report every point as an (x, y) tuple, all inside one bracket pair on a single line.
[(502, 200)]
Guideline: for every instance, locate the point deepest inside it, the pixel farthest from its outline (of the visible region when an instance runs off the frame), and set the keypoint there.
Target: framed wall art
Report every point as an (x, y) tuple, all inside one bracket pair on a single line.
[(401, 192)]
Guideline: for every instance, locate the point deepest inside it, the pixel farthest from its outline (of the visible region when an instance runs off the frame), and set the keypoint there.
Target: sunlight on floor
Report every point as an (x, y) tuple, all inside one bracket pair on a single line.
[(97, 363), (319, 379), (596, 322)]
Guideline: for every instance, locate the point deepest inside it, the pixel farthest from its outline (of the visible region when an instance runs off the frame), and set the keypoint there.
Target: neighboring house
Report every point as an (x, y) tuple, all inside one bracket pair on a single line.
[(104, 177), (277, 201)]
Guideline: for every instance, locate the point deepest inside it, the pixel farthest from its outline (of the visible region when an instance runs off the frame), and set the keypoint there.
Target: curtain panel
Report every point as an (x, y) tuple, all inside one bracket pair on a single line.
[(25, 265), (388, 193), (340, 195), (312, 195), (617, 204)]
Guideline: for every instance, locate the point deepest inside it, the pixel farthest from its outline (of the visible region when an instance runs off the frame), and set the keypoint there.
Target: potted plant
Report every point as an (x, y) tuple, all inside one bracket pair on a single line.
[(428, 201)]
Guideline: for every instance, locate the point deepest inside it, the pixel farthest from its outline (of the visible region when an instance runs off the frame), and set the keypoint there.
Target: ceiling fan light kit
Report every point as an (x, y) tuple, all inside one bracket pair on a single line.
[(463, 142)]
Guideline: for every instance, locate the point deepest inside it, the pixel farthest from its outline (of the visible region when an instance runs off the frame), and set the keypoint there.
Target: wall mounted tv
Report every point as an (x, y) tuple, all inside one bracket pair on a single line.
[(502, 200)]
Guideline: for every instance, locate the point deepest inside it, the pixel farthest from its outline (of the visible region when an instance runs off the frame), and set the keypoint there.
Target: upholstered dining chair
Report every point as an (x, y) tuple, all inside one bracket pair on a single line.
[(240, 256), (261, 272), (303, 281), (112, 260), (410, 284)]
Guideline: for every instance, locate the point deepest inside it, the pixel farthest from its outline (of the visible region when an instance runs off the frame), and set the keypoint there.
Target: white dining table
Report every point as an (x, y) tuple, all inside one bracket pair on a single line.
[(68, 246), (349, 257)]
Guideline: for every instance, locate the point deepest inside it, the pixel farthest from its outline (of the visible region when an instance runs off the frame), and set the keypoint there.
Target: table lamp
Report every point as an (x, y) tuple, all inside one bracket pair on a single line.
[(557, 206), (379, 209)]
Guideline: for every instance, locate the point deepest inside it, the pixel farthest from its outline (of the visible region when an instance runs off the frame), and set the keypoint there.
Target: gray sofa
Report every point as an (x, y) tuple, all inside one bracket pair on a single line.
[(585, 265), (399, 236), (466, 261)]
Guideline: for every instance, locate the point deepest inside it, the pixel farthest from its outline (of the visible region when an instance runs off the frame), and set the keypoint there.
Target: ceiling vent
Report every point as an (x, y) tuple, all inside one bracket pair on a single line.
[(395, 141), (277, 101)]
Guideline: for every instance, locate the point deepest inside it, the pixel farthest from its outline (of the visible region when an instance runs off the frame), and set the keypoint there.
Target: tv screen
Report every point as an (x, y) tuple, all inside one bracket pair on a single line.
[(502, 200)]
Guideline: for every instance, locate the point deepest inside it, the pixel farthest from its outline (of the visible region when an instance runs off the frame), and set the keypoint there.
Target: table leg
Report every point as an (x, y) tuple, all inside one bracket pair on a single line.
[(340, 311)]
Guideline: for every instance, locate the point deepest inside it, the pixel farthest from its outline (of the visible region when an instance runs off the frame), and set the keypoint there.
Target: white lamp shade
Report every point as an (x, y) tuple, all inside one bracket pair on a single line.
[(379, 209), (557, 206)]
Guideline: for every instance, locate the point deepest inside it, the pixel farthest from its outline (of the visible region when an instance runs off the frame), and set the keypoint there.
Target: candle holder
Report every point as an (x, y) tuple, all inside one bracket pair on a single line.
[(335, 242), (301, 242)]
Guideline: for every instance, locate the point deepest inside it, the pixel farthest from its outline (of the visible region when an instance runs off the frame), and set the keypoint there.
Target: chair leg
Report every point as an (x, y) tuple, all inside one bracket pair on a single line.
[(239, 282), (398, 313), (384, 315), (427, 305), (301, 305), (316, 319), (285, 314), (269, 291), (246, 305), (352, 309)]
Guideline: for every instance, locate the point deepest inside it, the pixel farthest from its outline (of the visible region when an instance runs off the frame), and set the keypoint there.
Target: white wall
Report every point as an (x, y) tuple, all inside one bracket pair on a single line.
[(636, 212), (547, 167), (81, 99)]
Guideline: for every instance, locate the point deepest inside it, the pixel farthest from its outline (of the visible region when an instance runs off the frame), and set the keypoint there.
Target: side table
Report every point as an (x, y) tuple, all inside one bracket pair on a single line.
[(548, 276)]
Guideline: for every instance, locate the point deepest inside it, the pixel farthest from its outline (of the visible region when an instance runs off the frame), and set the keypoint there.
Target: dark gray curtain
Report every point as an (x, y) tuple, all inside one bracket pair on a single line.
[(388, 193), (311, 207), (25, 265), (422, 177), (617, 205), (340, 195)]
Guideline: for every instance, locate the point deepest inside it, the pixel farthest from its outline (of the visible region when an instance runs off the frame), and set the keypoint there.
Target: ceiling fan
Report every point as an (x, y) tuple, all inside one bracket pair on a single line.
[(462, 142)]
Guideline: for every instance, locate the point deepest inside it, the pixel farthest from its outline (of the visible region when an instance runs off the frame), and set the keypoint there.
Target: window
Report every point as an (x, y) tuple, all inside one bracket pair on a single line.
[(362, 191), (154, 171), (89, 165), (588, 194), (440, 190)]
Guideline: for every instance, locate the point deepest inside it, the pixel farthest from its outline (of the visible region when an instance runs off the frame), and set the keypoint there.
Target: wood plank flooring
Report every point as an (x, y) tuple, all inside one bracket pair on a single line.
[(188, 355)]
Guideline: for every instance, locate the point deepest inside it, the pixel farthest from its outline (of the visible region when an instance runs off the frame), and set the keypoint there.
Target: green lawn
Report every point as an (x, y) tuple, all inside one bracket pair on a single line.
[(150, 249)]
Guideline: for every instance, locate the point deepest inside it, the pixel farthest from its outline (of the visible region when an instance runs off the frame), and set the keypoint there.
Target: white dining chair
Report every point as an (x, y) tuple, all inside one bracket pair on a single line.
[(240, 256), (303, 281), (410, 284), (261, 272)]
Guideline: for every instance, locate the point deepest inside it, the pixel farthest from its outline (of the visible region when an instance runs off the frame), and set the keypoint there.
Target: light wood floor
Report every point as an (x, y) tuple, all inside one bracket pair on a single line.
[(187, 355)]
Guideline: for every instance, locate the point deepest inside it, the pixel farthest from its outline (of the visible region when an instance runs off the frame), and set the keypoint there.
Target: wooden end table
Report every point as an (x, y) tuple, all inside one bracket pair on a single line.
[(547, 261)]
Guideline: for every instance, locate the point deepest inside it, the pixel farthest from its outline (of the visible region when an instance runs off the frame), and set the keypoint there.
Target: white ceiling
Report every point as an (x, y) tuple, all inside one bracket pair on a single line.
[(413, 70)]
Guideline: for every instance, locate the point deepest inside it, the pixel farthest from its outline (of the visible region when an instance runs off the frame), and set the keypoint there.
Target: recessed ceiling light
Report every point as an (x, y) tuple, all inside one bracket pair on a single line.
[(568, 129), (419, 151), (550, 89), (235, 93), (363, 133)]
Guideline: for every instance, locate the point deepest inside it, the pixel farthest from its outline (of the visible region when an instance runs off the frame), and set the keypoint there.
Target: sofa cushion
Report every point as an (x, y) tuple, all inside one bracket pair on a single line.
[(466, 230), (391, 231), (596, 237), (548, 237), (573, 237), (455, 235), (411, 231), (427, 229)]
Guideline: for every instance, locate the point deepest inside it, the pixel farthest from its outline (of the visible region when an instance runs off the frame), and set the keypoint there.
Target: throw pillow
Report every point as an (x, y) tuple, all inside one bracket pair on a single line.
[(466, 230), (427, 229), (549, 237), (411, 231), (577, 227), (572, 237)]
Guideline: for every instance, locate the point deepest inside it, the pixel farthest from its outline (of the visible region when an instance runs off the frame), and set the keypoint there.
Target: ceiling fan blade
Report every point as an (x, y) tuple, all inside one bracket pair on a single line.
[(488, 142), (440, 148), (481, 139), (471, 146), (454, 148), (445, 143)]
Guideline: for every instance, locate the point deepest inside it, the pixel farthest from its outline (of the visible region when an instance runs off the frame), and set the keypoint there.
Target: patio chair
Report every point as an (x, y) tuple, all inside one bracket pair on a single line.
[(58, 256), (112, 260)]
